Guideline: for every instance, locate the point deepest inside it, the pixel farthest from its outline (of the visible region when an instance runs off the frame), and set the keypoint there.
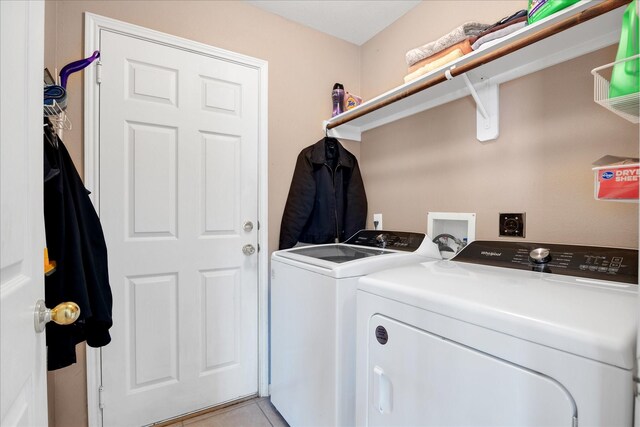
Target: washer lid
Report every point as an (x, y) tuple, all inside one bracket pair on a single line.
[(589, 318), (364, 244), (337, 253), (363, 253), (341, 261)]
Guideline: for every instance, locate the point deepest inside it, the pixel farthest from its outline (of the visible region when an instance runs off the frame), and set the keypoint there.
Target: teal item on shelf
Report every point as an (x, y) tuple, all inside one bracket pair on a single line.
[(625, 77), (539, 9)]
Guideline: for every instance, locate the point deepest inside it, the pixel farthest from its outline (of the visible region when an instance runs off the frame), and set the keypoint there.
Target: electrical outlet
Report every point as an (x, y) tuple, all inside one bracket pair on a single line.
[(377, 221), (512, 225)]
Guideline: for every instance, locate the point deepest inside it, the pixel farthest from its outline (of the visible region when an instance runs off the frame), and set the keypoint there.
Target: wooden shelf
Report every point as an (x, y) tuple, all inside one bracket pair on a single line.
[(582, 28)]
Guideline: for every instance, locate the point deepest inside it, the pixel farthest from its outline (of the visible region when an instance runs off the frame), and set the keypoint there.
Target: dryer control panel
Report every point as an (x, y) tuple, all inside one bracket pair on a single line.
[(593, 262), (399, 240)]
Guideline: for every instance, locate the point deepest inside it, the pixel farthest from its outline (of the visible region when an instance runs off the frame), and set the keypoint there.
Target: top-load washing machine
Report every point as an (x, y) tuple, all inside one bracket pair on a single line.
[(313, 314), (505, 334)]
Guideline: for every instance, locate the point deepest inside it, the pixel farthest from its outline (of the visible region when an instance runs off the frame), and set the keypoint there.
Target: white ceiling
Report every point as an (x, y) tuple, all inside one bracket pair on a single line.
[(355, 21)]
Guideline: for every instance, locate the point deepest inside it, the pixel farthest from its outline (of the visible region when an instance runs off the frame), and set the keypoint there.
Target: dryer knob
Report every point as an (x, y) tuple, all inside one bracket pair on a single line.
[(540, 256)]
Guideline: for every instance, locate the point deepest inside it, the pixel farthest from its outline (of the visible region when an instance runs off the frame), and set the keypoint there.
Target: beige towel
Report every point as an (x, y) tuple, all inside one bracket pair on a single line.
[(464, 46), (450, 57)]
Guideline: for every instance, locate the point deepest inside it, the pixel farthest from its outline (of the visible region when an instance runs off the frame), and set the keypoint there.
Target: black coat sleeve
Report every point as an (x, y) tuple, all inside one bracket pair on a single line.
[(300, 202), (356, 204)]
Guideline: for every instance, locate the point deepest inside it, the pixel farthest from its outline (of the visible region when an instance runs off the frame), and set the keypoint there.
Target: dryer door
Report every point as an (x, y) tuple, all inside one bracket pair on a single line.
[(417, 378)]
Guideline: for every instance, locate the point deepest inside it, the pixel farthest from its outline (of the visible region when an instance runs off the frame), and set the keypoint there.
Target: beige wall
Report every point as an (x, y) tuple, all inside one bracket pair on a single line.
[(550, 133), (550, 128), (303, 66)]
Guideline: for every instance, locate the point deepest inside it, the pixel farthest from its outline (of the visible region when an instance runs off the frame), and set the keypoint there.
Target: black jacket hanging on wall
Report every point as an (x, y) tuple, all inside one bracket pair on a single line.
[(327, 202), (76, 242)]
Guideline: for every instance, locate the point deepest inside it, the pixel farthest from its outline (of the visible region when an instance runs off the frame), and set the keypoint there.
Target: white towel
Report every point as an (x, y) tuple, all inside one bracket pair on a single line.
[(498, 34)]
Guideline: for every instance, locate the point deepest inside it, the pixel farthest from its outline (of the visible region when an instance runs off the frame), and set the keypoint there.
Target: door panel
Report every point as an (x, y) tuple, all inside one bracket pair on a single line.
[(151, 184), (154, 357), (221, 308), (221, 166), (178, 177), (23, 393), (418, 377)]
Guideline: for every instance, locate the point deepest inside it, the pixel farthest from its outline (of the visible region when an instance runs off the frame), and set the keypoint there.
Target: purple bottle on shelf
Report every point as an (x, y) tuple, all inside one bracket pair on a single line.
[(337, 96)]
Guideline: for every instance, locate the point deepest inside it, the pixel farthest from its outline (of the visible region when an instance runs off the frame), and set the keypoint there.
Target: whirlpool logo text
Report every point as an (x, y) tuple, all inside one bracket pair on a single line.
[(487, 253)]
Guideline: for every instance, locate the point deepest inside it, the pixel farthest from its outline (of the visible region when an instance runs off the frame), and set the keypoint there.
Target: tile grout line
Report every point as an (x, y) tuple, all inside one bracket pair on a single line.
[(265, 414)]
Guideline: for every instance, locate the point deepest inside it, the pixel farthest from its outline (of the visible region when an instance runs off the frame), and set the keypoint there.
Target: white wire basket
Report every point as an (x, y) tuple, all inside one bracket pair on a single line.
[(626, 106), (57, 116)]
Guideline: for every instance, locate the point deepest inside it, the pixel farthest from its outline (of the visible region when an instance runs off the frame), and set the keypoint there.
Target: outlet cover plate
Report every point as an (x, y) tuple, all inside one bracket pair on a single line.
[(512, 225), (377, 217)]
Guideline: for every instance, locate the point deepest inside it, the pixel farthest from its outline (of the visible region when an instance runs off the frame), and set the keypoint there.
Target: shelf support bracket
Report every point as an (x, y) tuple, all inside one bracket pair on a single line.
[(486, 96), (343, 132)]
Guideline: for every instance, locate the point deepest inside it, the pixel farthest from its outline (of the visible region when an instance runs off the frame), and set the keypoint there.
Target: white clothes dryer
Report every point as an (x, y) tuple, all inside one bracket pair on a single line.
[(313, 314), (505, 334)]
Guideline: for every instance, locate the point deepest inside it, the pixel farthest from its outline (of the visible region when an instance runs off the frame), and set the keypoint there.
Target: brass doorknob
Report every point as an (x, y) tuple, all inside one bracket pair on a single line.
[(64, 313)]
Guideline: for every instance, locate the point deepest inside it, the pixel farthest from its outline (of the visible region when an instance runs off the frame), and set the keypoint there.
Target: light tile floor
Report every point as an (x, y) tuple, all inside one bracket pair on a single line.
[(258, 412)]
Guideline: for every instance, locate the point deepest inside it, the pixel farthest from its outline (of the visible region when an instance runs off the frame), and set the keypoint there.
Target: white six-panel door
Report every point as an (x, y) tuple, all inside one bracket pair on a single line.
[(178, 181), (23, 393)]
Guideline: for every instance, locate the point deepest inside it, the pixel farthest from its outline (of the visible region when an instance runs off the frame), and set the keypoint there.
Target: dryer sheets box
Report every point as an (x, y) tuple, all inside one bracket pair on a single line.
[(617, 182)]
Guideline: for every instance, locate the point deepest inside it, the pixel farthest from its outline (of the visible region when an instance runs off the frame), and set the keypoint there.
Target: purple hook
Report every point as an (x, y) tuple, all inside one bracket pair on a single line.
[(76, 66)]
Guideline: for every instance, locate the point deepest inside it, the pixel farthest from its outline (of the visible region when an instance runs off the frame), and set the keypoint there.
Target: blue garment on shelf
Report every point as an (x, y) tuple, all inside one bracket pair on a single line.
[(55, 93)]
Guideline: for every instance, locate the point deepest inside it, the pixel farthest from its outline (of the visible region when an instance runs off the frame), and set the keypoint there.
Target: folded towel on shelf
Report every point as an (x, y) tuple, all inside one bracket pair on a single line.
[(464, 46), (495, 35), (466, 30), (55, 93), (450, 57), (519, 16)]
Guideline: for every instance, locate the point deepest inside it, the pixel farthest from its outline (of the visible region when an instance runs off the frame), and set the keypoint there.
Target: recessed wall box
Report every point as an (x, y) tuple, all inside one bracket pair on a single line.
[(451, 231)]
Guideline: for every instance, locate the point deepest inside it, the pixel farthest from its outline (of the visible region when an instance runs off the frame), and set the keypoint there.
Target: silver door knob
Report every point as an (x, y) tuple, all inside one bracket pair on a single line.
[(248, 250), (64, 313), (247, 226)]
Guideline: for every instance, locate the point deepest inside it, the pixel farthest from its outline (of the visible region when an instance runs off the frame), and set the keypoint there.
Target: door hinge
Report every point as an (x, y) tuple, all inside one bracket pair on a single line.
[(258, 247), (99, 72), (100, 397)]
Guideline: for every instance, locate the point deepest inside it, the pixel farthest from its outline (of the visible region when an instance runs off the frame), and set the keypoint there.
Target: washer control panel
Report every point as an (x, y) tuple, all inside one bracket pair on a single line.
[(593, 262), (399, 240)]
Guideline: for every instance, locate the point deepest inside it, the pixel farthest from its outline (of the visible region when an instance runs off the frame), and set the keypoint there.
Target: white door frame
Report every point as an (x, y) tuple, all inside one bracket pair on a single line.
[(94, 24)]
